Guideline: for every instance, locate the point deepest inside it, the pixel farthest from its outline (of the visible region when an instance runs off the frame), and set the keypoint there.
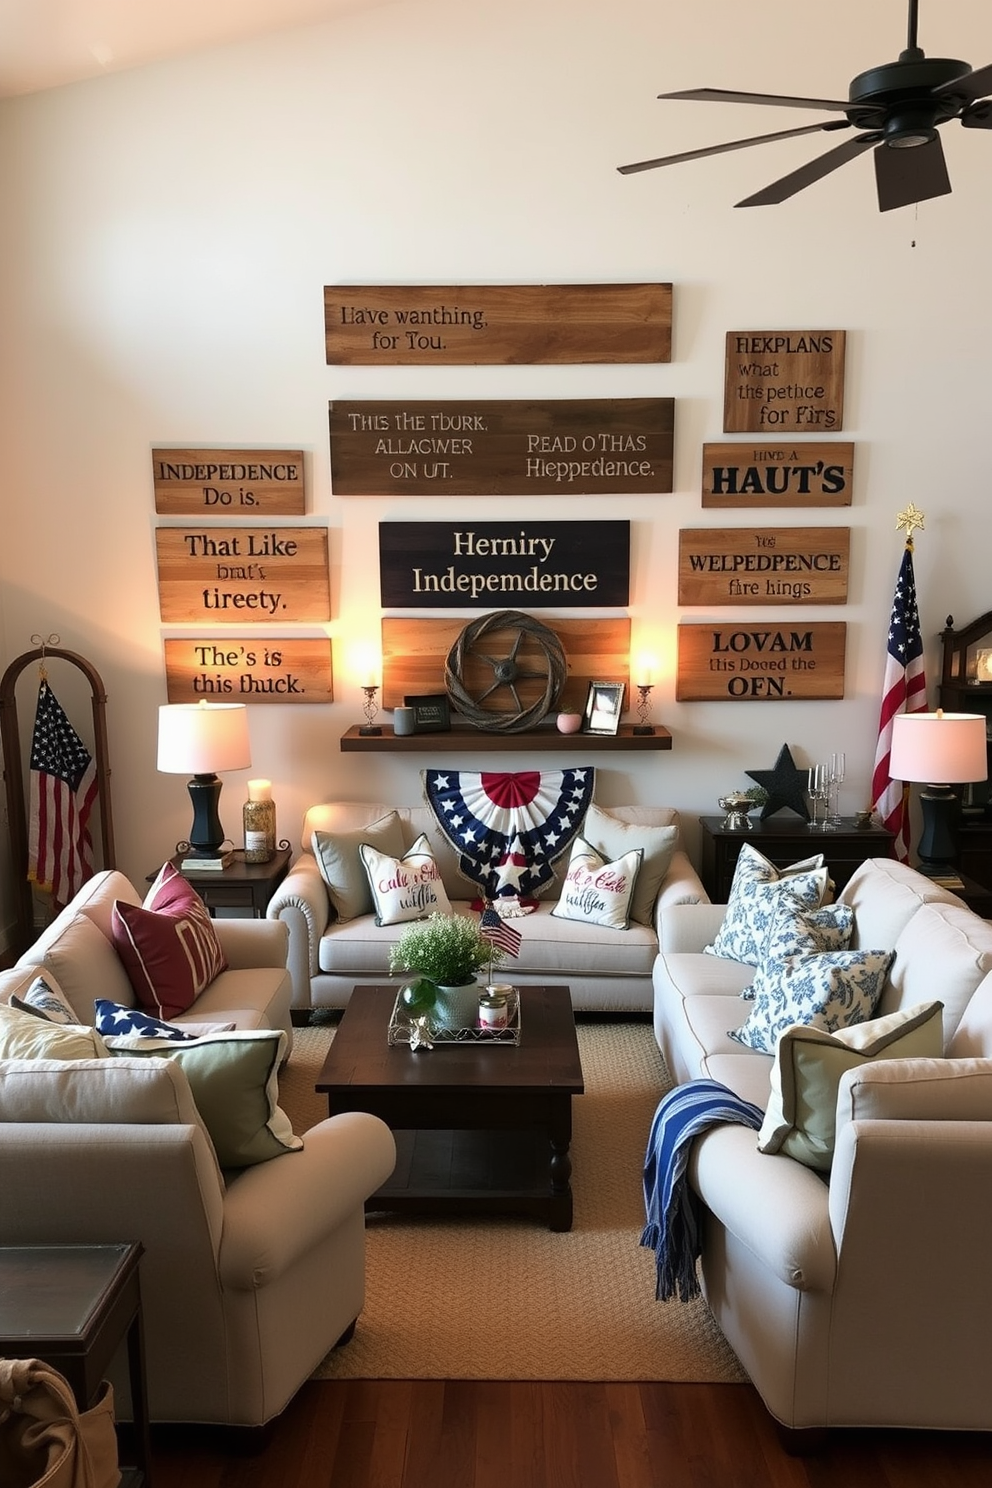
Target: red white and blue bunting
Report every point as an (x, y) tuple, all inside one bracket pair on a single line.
[(509, 829)]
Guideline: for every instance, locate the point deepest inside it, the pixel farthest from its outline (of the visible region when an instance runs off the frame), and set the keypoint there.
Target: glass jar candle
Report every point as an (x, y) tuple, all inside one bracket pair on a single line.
[(259, 816)]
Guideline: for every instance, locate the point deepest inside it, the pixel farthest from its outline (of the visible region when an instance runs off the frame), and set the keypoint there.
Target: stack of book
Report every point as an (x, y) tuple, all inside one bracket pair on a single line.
[(206, 865)]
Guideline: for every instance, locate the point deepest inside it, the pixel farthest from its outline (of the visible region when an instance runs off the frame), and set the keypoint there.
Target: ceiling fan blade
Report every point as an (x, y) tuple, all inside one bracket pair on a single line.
[(742, 144), (970, 86), (978, 115), (813, 170), (907, 176), (723, 95)]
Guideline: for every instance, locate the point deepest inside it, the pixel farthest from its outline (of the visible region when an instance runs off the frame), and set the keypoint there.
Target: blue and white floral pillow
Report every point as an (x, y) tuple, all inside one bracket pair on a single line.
[(796, 931), (752, 912), (832, 990)]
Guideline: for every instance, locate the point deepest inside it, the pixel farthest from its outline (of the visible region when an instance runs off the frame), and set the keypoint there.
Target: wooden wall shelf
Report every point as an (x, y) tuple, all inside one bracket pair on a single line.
[(465, 740)]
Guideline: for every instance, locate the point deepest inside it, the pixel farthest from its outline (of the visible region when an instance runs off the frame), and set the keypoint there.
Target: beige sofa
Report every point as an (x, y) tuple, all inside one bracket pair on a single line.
[(248, 1277), (861, 1296), (607, 970), (254, 991)]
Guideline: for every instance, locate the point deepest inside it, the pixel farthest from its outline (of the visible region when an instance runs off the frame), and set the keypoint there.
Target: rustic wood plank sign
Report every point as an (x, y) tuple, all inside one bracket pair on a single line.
[(599, 447), (275, 670), (799, 473), (230, 575), (784, 382), (764, 565), (414, 651), (226, 483), (760, 663), (464, 565), (425, 325)]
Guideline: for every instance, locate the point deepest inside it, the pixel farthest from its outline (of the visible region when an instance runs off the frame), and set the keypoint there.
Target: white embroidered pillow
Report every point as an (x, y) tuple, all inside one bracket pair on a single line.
[(407, 888), (596, 892), (833, 990)]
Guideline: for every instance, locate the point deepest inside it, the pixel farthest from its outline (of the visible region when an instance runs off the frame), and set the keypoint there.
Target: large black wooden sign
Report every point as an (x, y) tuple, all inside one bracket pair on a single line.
[(504, 565)]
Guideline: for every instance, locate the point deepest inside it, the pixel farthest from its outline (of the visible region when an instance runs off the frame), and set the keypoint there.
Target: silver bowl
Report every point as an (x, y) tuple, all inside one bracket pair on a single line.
[(737, 806)]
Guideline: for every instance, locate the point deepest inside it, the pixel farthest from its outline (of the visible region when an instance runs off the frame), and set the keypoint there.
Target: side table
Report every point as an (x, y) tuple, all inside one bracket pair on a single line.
[(783, 841), (240, 885), (71, 1306)]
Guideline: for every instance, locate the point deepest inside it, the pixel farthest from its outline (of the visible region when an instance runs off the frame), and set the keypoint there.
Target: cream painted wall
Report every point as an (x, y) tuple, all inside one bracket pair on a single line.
[(167, 233)]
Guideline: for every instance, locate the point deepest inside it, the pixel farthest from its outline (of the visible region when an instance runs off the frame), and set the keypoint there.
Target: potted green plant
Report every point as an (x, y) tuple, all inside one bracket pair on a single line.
[(450, 951)]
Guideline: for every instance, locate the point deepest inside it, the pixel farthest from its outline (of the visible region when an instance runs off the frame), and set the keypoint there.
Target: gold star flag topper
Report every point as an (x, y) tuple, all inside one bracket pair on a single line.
[(910, 519)]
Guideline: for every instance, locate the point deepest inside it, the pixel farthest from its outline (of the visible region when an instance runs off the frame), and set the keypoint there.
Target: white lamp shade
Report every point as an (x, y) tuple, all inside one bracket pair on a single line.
[(938, 748), (203, 738)]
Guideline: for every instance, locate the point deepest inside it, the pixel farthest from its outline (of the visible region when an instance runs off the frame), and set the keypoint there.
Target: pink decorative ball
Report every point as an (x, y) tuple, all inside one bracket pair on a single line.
[(569, 723)]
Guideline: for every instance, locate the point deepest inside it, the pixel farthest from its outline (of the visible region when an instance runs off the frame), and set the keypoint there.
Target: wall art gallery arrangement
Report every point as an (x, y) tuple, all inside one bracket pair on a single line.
[(783, 389)]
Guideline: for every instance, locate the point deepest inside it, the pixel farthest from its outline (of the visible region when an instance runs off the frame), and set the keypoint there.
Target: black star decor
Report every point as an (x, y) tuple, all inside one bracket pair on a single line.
[(786, 786)]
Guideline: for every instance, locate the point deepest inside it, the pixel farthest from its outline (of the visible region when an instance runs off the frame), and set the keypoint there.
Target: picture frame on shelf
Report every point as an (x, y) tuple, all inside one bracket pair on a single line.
[(431, 713), (604, 705)]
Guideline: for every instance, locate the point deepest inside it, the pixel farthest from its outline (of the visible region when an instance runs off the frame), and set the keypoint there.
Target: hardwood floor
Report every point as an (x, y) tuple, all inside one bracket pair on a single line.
[(466, 1434)]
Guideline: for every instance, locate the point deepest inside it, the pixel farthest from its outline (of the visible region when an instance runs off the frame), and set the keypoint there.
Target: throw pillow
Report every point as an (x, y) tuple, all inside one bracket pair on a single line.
[(46, 997), (23, 1035), (798, 932), (800, 1120), (597, 892), (406, 888), (168, 945), (832, 990), (614, 838), (747, 925), (341, 866), (234, 1080), (127, 1022)]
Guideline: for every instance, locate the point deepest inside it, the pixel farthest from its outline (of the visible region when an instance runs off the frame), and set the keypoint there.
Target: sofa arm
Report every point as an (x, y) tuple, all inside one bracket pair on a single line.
[(689, 927), (682, 885), (248, 944), (278, 1210), (301, 901)]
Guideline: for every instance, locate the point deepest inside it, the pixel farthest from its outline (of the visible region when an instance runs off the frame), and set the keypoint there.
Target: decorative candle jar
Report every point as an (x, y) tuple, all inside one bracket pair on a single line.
[(259, 815)]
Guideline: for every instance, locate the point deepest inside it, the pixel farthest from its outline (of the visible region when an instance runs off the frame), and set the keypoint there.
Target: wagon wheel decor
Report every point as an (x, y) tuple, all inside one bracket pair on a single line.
[(497, 657)]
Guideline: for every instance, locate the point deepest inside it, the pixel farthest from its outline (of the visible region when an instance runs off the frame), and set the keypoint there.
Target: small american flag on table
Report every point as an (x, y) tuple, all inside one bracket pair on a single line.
[(495, 929)]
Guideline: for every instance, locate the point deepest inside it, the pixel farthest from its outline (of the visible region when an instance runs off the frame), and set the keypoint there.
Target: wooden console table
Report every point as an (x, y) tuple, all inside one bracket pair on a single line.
[(784, 840)]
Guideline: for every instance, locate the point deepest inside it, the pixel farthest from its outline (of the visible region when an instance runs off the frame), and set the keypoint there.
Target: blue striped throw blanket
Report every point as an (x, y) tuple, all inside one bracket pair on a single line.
[(672, 1209)]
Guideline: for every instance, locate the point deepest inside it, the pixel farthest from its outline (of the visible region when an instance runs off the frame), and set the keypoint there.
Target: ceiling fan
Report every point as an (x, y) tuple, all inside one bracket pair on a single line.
[(900, 106)]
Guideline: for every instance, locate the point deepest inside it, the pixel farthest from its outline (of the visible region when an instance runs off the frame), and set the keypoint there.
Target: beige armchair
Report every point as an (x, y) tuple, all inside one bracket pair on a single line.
[(247, 1282)]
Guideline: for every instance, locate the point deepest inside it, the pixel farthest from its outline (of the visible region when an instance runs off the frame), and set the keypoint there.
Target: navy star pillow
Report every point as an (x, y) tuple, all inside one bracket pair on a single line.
[(114, 1017)]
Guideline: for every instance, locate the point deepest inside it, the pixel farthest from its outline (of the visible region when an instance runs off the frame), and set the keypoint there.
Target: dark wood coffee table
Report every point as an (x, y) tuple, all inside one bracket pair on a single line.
[(481, 1128)]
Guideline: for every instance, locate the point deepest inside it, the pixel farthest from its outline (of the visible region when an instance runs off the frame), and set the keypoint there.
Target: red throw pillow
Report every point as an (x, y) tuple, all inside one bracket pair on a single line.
[(168, 945)]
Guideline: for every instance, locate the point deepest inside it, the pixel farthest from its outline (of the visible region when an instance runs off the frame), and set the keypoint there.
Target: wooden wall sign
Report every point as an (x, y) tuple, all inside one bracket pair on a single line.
[(799, 473), (230, 575), (227, 483), (503, 565), (414, 652), (430, 325), (603, 446), (273, 670), (763, 662), (783, 382), (764, 565)]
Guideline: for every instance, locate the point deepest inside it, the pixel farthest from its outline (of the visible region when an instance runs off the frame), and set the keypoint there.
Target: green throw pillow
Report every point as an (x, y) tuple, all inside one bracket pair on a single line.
[(234, 1081), (802, 1110)]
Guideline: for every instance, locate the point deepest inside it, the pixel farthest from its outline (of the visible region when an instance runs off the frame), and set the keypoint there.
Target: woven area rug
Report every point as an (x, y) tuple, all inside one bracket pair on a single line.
[(508, 1299)]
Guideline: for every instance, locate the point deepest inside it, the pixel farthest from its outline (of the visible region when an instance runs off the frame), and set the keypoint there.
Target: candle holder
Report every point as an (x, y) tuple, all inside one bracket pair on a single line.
[(644, 690), (370, 728)]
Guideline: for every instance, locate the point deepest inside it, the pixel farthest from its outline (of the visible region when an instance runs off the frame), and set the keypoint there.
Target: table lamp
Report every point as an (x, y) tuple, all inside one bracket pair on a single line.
[(938, 750), (200, 739)]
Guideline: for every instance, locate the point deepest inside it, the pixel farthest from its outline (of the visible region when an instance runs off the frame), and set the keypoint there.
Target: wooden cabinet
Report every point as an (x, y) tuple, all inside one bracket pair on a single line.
[(966, 687), (784, 841)]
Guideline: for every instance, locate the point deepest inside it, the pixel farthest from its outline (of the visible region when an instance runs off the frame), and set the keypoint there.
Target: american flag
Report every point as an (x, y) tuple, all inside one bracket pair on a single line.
[(63, 789), (494, 928), (904, 690)]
